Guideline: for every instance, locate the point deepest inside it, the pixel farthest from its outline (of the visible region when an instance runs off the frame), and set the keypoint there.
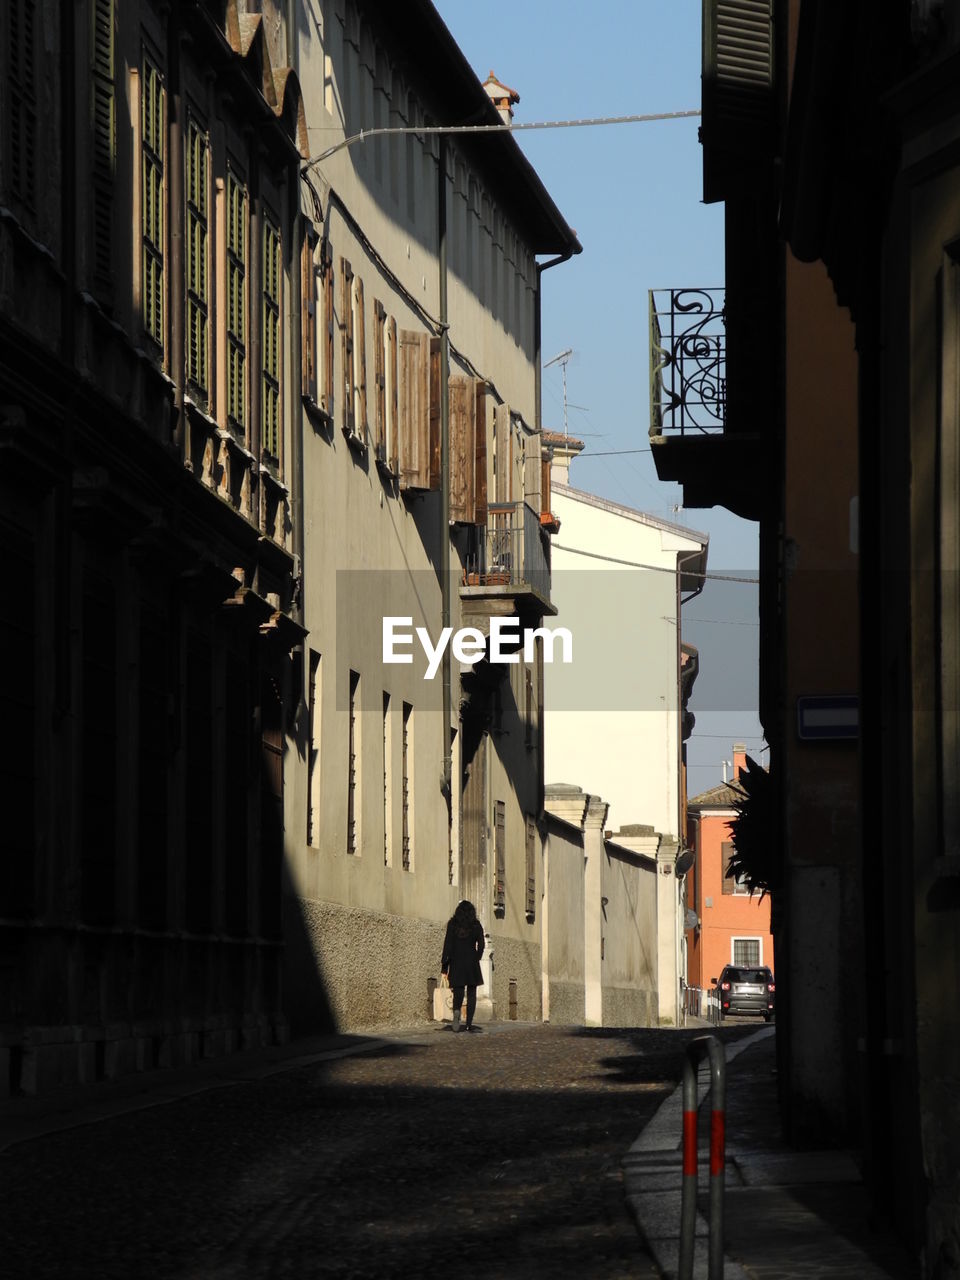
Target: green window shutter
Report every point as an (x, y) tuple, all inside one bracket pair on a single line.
[(196, 259), (738, 120), (270, 341), (104, 141), (152, 194), (236, 303)]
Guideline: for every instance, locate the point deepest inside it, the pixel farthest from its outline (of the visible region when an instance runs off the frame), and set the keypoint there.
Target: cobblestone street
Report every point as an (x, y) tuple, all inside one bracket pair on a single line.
[(488, 1155)]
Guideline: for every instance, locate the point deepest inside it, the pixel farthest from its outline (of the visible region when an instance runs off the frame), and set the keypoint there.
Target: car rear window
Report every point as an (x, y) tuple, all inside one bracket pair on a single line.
[(749, 975)]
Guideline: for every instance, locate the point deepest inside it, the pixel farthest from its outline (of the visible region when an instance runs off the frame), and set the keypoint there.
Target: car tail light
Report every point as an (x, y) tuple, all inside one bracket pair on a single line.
[(724, 986), (771, 986)]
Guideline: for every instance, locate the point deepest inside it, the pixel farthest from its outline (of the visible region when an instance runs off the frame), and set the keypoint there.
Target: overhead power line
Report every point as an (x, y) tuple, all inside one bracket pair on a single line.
[(421, 130)]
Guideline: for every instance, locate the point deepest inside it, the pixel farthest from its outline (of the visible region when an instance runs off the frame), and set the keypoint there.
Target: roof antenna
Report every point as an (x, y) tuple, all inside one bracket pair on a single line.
[(562, 359)]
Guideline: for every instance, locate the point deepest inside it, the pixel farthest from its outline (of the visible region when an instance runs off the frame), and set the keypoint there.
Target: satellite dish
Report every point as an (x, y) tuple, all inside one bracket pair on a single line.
[(684, 862), (691, 919)]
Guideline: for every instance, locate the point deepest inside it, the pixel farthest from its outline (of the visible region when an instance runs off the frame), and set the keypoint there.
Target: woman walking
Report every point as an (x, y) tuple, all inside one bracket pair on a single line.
[(462, 949)]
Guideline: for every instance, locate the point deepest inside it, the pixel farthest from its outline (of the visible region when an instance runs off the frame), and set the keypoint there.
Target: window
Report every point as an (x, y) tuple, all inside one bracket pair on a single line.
[(151, 201), (746, 951), (353, 771), (500, 855), (308, 299), (380, 381), (270, 342), (327, 339), (530, 905), (313, 751), (236, 243), (195, 254), (360, 424), (406, 759), (346, 345), (729, 884), (22, 99), (390, 371), (104, 140)]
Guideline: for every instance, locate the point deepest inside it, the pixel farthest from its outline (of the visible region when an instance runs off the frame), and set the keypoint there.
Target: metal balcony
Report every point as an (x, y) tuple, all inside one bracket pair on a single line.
[(700, 438), (688, 348), (508, 558)]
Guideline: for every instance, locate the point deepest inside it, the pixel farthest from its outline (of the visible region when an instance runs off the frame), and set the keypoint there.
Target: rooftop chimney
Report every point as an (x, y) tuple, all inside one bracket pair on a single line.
[(502, 97), (739, 760)]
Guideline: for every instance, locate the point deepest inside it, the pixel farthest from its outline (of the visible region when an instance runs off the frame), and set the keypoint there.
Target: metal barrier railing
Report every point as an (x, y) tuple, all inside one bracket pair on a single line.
[(696, 1050)]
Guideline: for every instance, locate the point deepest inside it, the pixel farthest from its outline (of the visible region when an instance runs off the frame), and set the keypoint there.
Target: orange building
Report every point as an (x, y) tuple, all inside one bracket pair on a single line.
[(732, 927)]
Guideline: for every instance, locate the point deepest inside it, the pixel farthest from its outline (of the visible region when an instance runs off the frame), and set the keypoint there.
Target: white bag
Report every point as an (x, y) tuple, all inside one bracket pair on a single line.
[(443, 1001)]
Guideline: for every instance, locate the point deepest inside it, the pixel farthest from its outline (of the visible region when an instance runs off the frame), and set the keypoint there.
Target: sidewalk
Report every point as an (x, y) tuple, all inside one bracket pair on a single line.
[(788, 1215), (25, 1118)]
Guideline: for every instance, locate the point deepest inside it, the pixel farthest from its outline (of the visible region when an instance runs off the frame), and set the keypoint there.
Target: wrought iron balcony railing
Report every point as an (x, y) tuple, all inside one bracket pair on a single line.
[(509, 551), (688, 351)]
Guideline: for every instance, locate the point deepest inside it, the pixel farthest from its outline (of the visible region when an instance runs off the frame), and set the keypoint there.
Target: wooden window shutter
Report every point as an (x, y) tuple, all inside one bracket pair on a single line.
[(102, 78), (308, 299), (360, 422), (728, 883), (413, 409), (346, 346), (504, 458), (738, 98), (480, 465), (500, 853), (380, 382), (392, 376), (545, 494), (463, 446), (327, 339), (530, 905), (433, 443)]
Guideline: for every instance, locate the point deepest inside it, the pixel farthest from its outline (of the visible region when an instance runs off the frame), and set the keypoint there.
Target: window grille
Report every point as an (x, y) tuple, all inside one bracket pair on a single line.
[(746, 951)]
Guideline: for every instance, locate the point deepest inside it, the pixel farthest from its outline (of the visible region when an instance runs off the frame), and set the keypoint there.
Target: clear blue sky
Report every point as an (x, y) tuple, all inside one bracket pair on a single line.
[(633, 195)]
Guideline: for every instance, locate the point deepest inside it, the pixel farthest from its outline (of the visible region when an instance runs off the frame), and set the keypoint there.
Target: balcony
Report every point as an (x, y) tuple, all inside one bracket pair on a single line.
[(694, 442), (506, 568)]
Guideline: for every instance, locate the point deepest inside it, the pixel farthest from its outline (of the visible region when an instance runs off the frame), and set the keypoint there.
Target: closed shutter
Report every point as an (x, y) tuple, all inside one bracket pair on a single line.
[(738, 101), (434, 414), (392, 375), (360, 423), (380, 382), (480, 468), (530, 905), (500, 852), (726, 853), (463, 424), (104, 143), (328, 328), (414, 409), (346, 346), (545, 494), (308, 291), (504, 457)]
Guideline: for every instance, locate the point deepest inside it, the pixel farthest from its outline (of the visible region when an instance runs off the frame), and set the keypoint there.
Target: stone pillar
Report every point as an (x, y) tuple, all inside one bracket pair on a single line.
[(668, 933), (593, 822)]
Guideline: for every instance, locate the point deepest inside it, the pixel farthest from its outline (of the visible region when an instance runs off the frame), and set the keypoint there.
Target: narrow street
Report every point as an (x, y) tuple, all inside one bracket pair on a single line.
[(488, 1155)]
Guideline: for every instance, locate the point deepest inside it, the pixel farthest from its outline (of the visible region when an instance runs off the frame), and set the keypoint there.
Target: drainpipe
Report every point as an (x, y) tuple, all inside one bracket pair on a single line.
[(538, 419), (446, 784), (296, 337)]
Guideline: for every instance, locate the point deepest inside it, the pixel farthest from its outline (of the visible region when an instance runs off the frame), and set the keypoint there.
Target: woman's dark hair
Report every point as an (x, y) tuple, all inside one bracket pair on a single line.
[(466, 913)]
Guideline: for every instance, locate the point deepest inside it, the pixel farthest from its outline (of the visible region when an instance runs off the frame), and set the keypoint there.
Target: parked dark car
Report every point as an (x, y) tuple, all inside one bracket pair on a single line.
[(746, 989)]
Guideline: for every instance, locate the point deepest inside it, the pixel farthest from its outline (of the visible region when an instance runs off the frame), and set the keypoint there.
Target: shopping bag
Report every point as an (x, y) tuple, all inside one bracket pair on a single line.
[(443, 1001)]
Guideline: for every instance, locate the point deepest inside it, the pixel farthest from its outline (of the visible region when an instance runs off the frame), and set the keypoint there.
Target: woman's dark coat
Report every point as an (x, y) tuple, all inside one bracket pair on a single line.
[(462, 949)]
